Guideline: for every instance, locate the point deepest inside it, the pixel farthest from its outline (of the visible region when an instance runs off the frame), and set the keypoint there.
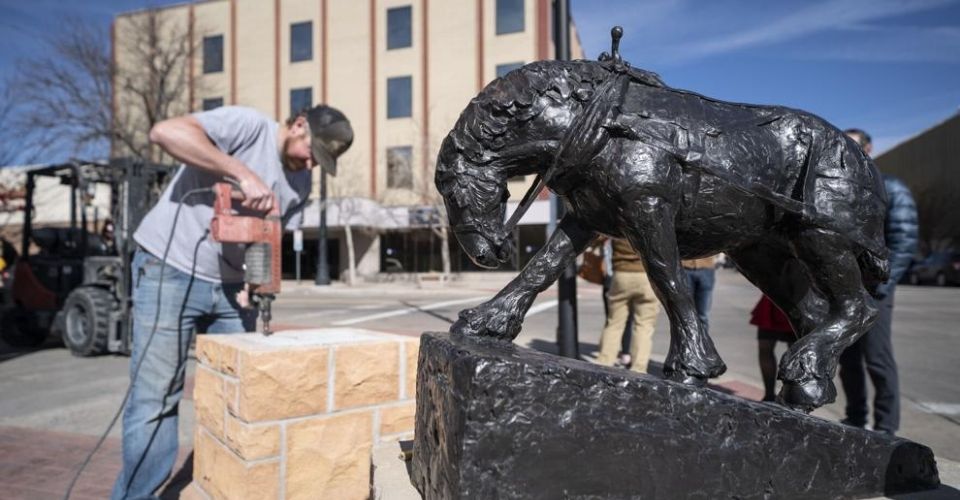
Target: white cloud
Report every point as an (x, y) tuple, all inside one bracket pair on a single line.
[(815, 18)]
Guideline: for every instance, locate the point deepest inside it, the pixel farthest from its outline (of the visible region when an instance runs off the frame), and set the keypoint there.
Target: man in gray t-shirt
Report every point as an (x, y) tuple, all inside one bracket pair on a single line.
[(198, 286)]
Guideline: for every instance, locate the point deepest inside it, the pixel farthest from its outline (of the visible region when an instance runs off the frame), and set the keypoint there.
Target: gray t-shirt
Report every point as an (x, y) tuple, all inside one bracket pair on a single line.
[(250, 137)]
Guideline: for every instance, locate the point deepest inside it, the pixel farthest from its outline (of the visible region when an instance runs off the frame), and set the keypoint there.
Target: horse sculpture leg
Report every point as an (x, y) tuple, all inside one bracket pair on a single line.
[(808, 367), (778, 273), (502, 316), (692, 357)]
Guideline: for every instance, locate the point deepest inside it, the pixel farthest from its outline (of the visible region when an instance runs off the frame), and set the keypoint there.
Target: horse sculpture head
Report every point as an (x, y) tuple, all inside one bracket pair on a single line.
[(513, 127)]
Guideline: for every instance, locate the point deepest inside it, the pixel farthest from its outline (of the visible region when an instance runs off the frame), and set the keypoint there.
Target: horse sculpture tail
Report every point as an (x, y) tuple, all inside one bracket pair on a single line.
[(874, 270)]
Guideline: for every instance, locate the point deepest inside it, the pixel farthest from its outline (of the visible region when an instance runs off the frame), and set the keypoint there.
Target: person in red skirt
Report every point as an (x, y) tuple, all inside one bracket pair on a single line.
[(772, 327)]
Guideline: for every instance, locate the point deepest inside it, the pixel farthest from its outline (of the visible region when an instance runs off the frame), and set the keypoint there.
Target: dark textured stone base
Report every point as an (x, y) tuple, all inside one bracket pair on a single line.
[(496, 420)]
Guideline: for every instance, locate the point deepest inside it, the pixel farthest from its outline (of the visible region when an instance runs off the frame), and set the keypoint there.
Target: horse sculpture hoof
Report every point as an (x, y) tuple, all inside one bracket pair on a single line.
[(807, 395), (687, 379), (485, 321)]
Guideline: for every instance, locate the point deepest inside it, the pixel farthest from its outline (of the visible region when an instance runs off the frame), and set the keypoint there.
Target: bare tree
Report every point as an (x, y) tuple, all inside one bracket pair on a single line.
[(86, 100)]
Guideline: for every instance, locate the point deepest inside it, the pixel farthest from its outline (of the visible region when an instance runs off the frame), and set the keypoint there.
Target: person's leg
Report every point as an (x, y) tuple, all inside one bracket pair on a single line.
[(163, 324), (768, 366), (703, 294), (854, 383), (616, 319), (882, 367), (645, 309)]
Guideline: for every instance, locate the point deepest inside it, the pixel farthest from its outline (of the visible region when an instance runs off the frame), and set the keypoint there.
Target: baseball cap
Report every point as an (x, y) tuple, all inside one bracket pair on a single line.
[(331, 136)]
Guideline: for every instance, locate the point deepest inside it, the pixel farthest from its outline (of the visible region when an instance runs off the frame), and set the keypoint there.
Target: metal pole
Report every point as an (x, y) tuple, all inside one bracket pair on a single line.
[(568, 344), (323, 268)]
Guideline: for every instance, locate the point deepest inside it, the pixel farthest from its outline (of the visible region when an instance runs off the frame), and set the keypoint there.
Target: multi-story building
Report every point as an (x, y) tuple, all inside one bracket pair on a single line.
[(401, 70)]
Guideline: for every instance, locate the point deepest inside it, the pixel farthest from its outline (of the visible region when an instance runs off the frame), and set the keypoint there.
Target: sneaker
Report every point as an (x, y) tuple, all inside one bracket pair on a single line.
[(625, 359)]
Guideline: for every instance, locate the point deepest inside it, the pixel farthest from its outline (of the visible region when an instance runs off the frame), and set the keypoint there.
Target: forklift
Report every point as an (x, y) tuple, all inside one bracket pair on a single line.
[(74, 282)]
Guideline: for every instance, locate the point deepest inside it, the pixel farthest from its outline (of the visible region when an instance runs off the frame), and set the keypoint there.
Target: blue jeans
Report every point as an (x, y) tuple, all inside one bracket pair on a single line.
[(701, 284), (150, 418)]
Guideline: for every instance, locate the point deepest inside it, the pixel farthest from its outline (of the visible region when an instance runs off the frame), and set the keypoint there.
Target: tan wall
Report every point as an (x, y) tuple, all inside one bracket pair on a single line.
[(355, 87), (211, 18)]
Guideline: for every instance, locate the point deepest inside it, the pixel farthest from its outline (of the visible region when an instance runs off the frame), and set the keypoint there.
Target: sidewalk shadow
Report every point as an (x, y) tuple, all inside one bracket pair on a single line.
[(428, 312), (8, 352), (179, 481)]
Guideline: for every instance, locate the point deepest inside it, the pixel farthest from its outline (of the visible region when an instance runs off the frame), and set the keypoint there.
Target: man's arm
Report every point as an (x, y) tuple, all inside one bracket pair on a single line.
[(185, 139), (901, 231)]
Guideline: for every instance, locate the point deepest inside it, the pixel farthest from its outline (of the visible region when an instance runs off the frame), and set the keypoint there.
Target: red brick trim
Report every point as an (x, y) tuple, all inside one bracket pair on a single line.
[(233, 52), (323, 51), (543, 29), (425, 53), (480, 80), (276, 59), (190, 59), (113, 84), (373, 98)]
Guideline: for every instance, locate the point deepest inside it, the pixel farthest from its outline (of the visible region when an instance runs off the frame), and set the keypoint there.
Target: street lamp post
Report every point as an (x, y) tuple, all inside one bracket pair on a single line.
[(568, 344), (323, 268)]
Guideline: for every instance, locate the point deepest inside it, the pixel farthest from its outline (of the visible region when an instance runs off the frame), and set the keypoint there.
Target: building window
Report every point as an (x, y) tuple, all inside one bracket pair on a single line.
[(503, 69), (399, 27), (400, 97), (300, 99), (213, 54), (212, 103), (509, 16), (301, 41), (400, 167)]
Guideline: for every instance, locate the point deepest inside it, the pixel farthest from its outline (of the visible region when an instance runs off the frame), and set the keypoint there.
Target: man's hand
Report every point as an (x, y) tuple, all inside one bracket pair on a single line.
[(256, 194)]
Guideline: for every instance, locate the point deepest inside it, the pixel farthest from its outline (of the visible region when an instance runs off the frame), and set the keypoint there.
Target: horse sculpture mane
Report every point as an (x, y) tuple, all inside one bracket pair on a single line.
[(515, 97), (485, 126)]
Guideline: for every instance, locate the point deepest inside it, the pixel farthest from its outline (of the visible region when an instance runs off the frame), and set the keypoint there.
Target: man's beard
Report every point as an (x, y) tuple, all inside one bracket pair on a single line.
[(291, 164)]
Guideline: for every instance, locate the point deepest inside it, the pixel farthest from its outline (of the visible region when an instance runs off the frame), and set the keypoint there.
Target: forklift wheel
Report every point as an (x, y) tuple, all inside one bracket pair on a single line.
[(86, 320), (18, 329)]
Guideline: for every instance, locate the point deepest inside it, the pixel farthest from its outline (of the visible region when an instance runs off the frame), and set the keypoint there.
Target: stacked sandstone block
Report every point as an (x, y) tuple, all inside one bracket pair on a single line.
[(296, 415)]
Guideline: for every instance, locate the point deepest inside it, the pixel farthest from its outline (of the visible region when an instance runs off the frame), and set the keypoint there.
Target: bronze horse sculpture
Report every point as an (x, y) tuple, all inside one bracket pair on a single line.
[(788, 197)]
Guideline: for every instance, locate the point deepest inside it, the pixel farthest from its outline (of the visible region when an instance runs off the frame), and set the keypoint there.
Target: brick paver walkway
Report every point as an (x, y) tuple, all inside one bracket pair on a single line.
[(38, 465)]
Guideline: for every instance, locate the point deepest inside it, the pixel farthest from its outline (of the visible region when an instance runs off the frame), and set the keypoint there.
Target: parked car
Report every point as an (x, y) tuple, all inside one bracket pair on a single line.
[(940, 268)]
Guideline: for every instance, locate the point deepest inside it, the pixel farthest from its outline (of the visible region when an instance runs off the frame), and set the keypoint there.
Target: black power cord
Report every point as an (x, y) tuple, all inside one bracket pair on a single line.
[(153, 331)]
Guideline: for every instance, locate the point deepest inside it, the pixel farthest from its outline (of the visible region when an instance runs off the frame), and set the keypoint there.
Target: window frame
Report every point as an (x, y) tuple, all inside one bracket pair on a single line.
[(408, 39), (501, 23), (295, 109), (207, 64), (309, 47), (392, 111), (392, 175), (209, 100)]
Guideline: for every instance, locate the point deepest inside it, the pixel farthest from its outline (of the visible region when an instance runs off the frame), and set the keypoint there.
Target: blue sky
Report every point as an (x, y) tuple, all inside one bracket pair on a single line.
[(891, 67)]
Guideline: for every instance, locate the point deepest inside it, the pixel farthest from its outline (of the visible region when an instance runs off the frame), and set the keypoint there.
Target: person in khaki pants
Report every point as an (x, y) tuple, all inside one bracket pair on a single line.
[(630, 290)]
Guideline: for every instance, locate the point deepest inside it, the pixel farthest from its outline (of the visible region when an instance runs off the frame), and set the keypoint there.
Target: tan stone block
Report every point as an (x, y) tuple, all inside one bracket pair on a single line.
[(224, 476), (412, 348), (366, 374), (208, 352), (231, 394), (251, 441), (282, 384), (397, 419), (330, 457), (229, 358), (193, 491), (208, 400)]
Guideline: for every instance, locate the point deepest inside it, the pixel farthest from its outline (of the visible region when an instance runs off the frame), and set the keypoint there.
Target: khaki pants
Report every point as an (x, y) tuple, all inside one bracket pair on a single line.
[(629, 291)]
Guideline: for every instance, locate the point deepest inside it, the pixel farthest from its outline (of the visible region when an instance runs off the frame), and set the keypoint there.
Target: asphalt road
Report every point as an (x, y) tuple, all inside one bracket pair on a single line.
[(49, 389)]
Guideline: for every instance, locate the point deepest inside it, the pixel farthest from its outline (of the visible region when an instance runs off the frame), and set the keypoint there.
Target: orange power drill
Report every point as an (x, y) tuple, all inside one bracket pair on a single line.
[(261, 260)]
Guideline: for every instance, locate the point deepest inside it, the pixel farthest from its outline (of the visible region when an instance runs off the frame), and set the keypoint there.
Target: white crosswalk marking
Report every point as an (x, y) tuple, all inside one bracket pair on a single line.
[(539, 308), (407, 310), (939, 408)]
